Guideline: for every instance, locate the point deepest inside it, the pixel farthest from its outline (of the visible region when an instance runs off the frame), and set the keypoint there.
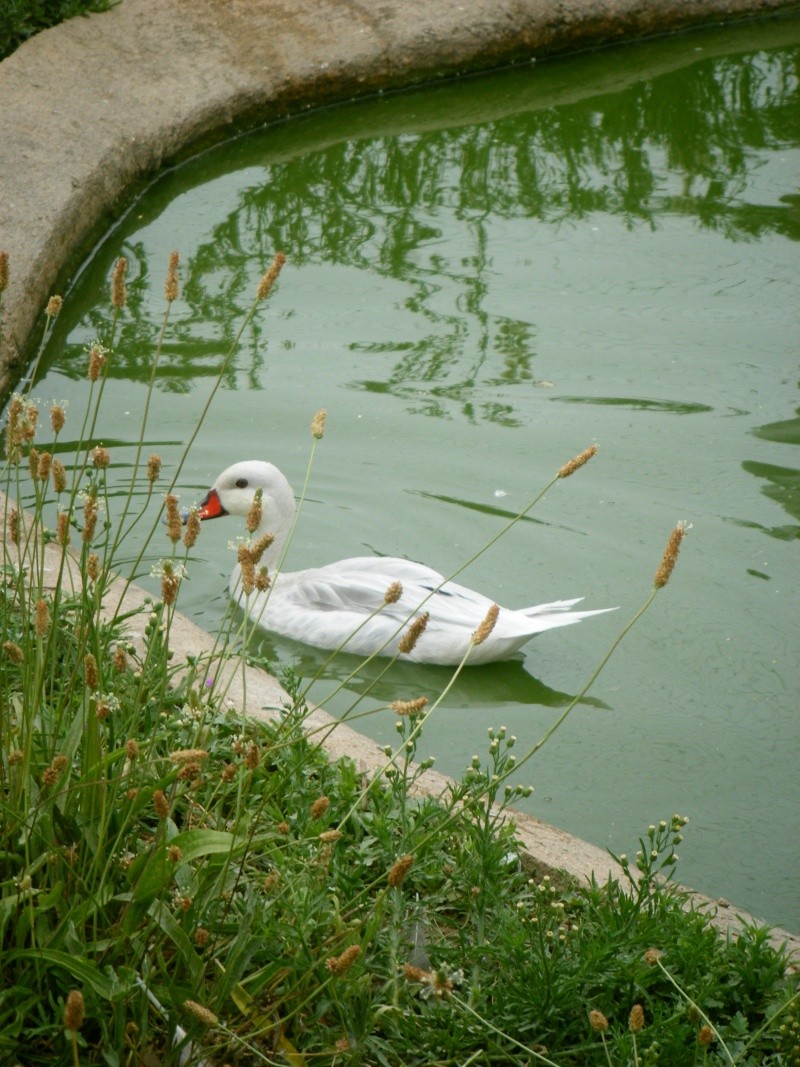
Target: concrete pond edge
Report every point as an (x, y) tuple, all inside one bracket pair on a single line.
[(94, 107)]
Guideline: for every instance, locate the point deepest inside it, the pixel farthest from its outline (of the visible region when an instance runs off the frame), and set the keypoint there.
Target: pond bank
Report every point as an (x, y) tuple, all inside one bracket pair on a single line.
[(95, 106)]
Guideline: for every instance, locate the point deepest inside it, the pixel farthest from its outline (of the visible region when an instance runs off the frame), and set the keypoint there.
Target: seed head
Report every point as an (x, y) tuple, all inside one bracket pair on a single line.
[(170, 583), (327, 837), (174, 524), (652, 956), (171, 284), (270, 277), (409, 707), (262, 580), (393, 593), (399, 870), (62, 527), (248, 569), (13, 651), (90, 672), (160, 803), (13, 526), (93, 566), (119, 291), (3, 270), (192, 531), (54, 305), (670, 557), (132, 749), (97, 360), (74, 1011), (486, 626), (253, 520), (153, 468), (42, 618), (598, 1021), (259, 547), (100, 457), (59, 476), (45, 466), (252, 757), (58, 416), (577, 462), (188, 755), (319, 807), (120, 660), (705, 1035), (412, 634), (90, 510), (204, 1015), (636, 1019), (341, 964), (318, 424)]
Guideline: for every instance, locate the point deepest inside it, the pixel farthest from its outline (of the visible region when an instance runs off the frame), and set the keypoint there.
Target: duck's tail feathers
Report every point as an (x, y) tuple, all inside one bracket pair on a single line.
[(558, 613)]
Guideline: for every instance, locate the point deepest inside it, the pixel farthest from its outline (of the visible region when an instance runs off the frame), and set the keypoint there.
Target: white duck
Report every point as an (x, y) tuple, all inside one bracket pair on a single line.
[(343, 605)]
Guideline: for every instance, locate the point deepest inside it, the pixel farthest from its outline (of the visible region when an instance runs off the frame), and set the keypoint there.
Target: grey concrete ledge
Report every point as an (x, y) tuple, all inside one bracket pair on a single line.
[(96, 105)]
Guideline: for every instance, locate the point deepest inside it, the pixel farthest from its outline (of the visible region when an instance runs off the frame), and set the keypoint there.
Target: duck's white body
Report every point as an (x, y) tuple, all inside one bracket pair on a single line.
[(342, 605)]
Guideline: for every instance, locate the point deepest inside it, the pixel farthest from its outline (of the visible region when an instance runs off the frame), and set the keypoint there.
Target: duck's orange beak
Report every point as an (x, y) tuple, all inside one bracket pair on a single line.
[(211, 506)]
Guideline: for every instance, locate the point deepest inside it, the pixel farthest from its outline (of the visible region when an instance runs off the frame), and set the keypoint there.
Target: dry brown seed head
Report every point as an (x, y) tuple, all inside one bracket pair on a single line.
[(59, 476), (705, 1035), (327, 837), (74, 1011), (160, 803), (58, 417), (670, 557), (253, 520), (153, 468), (174, 524), (90, 511), (13, 526), (400, 869), (262, 580), (45, 466), (576, 463), (13, 651), (42, 618), (93, 566), (188, 755), (201, 936), (33, 463), (598, 1021), (409, 707), (228, 772), (132, 749), (119, 291), (415, 974), (319, 807), (652, 956), (193, 525), (204, 1015), (170, 583), (393, 593), (175, 854), (341, 964), (171, 284), (486, 627), (636, 1018), (318, 424), (97, 360), (54, 305), (271, 276), (120, 660), (103, 710), (100, 457), (90, 672), (252, 757), (412, 634), (62, 528), (259, 547)]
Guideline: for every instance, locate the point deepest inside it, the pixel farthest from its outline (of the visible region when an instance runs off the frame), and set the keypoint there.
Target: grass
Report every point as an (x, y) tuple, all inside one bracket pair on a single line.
[(183, 884), (21, 19)]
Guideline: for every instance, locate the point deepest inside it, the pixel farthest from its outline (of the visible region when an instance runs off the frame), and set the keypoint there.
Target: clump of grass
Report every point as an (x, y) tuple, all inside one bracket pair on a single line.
[(180, 883), (21, 19)]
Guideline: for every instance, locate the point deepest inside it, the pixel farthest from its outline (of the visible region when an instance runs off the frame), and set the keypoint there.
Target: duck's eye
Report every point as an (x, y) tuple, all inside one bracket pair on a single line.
[(241, 483)]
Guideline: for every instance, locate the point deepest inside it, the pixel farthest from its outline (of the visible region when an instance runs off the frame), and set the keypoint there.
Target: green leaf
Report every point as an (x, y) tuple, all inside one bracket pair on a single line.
[(196, 843)]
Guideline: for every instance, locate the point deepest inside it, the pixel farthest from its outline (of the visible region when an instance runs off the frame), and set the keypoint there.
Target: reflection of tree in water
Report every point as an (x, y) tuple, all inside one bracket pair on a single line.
[(678, 143)]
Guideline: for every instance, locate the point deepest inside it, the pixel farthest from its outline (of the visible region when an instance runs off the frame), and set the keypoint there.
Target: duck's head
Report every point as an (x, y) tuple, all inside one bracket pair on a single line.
[(235, 489)]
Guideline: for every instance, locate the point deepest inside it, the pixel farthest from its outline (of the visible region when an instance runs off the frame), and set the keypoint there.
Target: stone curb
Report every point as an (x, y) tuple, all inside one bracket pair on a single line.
[(96, 105)]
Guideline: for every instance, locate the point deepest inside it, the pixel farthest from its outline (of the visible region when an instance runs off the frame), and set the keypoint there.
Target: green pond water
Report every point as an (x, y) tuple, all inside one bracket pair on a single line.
[(483, 278)]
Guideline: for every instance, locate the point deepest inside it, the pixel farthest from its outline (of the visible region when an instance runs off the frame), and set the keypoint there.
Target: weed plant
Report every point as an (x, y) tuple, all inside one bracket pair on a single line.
[(183, 884), (21, 19)]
